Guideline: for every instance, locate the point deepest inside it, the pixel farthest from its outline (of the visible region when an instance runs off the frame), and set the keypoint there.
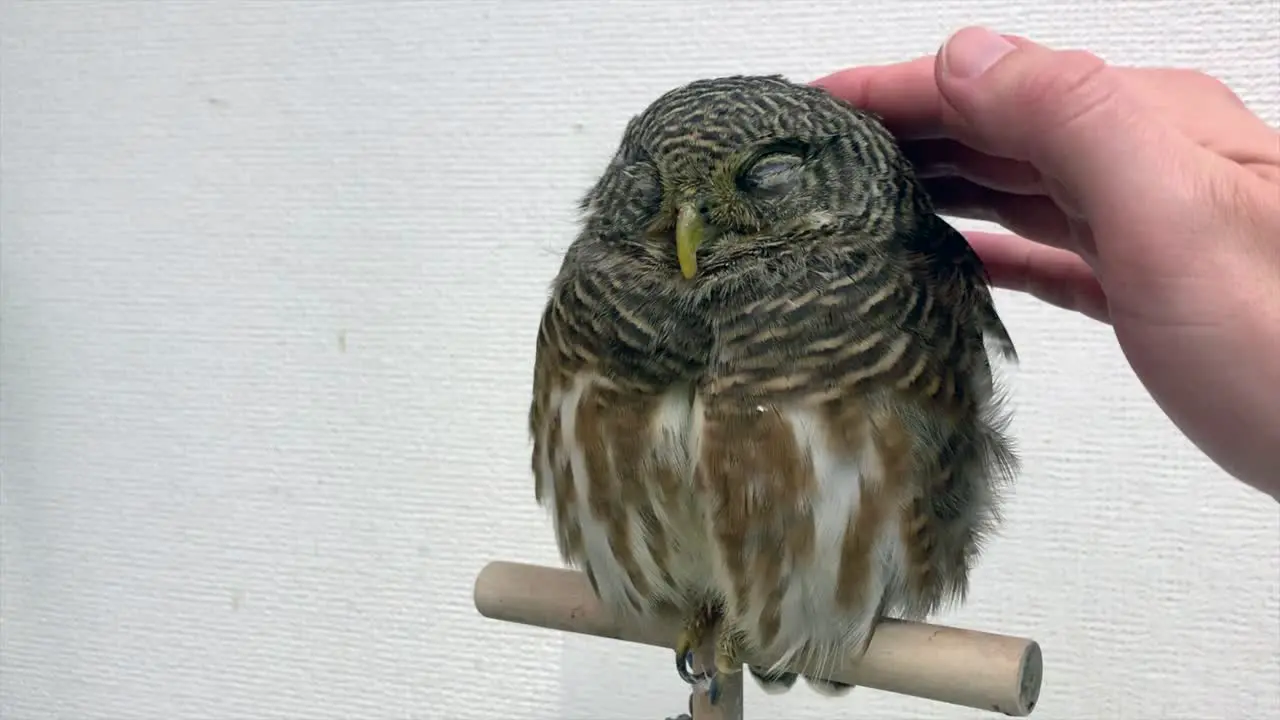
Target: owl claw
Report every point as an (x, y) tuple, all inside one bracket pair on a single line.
[(691, 637), (684, 666)]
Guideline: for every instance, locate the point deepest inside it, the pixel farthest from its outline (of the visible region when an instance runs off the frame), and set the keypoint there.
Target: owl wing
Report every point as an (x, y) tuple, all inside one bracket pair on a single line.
[(947, 264), (848, 448)]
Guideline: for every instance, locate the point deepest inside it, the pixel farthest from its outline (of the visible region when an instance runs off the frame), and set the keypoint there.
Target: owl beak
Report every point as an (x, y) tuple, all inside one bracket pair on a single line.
[(689, 234)]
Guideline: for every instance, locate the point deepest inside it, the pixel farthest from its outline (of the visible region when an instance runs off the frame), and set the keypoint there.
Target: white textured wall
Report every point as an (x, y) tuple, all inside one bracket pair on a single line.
[(271, 274)]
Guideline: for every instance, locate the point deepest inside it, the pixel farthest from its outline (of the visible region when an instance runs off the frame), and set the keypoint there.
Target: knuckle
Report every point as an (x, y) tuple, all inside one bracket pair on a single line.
[(1183, 76), (1187, 85), (1213, 85), (1072, 86), (1203, 80)]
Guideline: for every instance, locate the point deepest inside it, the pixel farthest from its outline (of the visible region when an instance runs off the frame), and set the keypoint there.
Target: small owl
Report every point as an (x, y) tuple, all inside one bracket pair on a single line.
[(763, 397)]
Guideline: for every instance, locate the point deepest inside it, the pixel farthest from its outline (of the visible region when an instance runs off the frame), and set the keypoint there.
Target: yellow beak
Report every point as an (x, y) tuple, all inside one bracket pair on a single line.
[(689, 234)]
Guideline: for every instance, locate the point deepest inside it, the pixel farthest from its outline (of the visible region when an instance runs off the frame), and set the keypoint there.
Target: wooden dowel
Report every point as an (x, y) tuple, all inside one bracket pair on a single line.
[(961, 667)]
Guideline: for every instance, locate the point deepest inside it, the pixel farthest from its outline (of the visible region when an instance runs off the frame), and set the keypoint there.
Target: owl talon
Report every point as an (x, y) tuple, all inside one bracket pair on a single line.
[(684, 666)]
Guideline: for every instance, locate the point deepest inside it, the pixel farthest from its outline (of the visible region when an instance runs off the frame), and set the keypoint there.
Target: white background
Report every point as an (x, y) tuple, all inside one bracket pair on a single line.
[(271, 277)]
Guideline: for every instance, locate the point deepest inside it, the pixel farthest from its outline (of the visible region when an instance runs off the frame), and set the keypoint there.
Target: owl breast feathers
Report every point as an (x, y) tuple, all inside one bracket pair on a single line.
[(763, 393)]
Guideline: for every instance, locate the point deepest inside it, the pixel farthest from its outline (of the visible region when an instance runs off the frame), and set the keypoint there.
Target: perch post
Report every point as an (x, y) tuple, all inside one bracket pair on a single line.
[(961, 667), (730, 705)]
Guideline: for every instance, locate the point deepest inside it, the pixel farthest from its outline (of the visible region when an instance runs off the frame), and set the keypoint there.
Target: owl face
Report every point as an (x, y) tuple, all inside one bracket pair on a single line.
[(721, 166)]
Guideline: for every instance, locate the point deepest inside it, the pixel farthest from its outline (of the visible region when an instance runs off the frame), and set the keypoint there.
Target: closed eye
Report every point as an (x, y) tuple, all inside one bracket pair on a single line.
[(773, 174)]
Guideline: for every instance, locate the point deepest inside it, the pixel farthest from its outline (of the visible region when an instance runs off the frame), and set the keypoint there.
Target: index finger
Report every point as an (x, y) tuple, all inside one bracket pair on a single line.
[(905, 95)]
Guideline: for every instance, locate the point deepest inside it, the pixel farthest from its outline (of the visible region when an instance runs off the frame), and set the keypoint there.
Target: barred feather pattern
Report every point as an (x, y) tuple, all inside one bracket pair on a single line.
[(807, 434)]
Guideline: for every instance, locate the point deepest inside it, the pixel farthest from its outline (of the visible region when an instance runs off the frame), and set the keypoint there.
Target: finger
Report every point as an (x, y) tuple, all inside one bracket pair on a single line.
[(907, 96), (942, 158), (906, 101), (1031, 216), (904, 95), (1056, 276), (1068, 113)]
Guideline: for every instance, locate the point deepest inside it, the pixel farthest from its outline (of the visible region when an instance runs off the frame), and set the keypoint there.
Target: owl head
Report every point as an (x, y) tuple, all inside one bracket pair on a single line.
[(721, 169)]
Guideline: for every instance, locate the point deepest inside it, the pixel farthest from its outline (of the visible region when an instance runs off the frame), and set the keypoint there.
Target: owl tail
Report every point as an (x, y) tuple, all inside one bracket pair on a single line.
[(779, 683)]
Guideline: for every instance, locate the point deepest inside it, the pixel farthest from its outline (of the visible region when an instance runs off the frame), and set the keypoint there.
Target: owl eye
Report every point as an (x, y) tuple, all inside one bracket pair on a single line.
[(775, 173)]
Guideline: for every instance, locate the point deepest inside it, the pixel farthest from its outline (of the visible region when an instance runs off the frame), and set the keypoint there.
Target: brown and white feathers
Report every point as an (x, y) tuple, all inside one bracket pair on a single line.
[(805, 433)]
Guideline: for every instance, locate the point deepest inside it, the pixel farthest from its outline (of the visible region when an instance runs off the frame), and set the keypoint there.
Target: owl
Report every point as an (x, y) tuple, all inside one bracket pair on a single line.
[(763, 395)]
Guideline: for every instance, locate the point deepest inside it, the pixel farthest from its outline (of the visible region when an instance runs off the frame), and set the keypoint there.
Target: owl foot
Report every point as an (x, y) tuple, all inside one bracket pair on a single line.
[(690, 639), (728, 651)]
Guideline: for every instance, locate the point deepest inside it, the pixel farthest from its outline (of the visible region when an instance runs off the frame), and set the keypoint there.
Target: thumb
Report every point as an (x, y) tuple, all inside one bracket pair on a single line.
[(1065, 112)]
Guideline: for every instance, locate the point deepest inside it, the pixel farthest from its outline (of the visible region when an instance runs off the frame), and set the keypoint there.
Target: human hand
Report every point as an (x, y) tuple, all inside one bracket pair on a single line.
[(1146, 198)]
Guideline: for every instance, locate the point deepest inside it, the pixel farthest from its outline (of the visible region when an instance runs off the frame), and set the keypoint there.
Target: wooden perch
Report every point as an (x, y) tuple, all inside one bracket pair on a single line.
[(950, 665)]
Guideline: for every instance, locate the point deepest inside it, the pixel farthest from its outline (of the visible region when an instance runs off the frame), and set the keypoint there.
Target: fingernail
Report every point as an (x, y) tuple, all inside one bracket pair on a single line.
[(971, 51)]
